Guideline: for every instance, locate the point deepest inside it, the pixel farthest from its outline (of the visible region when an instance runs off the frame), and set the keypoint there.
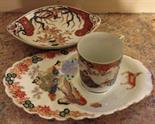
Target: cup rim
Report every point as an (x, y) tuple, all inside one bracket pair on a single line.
[(96, 62), (102, 63)]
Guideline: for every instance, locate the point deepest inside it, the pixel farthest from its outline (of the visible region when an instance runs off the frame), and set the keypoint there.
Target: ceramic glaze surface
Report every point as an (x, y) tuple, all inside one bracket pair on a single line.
[(98, 77), (48, 84), (100, 54), (53, 26)]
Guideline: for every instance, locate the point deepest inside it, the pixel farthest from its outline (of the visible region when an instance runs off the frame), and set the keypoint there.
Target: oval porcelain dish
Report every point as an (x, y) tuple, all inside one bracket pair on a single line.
[(53, 27), (49, 85)]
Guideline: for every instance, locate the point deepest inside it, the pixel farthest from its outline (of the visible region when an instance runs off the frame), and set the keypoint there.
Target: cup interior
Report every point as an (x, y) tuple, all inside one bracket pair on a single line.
[(100, 47)]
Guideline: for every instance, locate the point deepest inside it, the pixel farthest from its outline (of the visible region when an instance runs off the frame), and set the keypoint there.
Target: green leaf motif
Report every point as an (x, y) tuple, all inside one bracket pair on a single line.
[(65, 112), (9, 78), (28, 104)]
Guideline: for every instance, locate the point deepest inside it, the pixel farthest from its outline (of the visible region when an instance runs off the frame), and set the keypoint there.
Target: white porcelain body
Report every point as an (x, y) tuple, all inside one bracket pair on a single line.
[(100, 55), (34, 100), (53, 27)]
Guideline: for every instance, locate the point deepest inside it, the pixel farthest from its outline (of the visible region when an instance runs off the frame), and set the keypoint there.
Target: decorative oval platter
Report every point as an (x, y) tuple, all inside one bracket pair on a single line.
[(48, 84), (53, 27)]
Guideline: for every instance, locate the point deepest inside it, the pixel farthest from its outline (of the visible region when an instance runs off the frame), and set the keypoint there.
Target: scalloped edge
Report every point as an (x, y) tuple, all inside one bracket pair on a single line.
[(95, 116)]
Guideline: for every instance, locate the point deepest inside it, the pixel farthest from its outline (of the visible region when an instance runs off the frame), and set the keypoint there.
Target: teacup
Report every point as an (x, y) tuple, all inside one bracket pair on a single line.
[(99, 55)]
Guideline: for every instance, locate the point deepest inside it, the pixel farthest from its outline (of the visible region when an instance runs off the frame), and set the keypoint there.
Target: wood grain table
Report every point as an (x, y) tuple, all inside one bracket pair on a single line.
[(139, 32)]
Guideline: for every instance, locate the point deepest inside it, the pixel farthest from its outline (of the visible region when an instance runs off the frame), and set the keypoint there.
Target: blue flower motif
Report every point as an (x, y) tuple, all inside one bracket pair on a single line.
[(70, 67), (53, 89)]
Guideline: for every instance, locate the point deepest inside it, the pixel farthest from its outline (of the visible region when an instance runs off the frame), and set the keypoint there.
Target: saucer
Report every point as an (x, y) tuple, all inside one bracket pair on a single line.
[(53, 27), (48, 85)]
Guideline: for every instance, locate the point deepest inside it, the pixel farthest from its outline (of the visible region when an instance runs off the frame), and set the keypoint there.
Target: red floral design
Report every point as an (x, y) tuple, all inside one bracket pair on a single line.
[(131, 78), (44, 109), (17, 92), (19, 69), (27, 61), (50, 55), (104, 68), (53, 30), (20, 94), (22, 67), (15, 86), (100, 67)]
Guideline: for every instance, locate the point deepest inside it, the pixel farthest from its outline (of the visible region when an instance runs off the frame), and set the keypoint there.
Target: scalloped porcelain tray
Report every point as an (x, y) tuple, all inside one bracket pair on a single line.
[(48, 84), (53, 27)]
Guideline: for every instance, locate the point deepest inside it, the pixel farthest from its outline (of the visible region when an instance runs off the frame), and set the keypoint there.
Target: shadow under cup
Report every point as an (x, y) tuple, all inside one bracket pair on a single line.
[(100, 55)]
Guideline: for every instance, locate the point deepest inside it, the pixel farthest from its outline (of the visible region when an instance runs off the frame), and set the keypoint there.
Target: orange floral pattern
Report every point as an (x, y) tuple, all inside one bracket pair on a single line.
[(16, 90), (54, 26)]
